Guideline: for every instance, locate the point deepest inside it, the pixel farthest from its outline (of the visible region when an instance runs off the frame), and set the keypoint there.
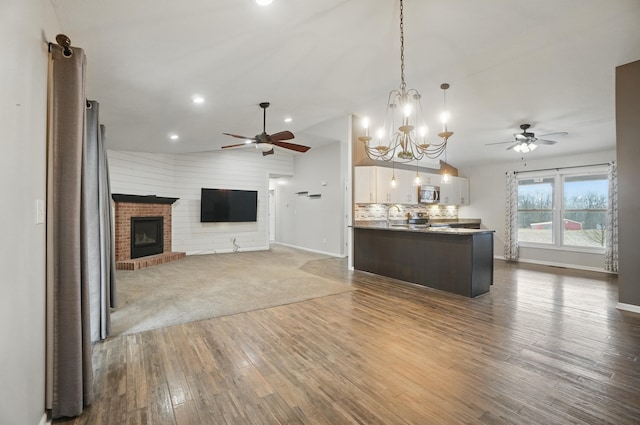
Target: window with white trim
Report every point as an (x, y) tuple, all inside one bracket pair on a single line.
[(564, 208)]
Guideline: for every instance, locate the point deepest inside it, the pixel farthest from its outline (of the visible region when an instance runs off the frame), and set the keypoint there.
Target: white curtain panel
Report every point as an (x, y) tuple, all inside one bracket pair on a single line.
[(611, 243), (511, 249)]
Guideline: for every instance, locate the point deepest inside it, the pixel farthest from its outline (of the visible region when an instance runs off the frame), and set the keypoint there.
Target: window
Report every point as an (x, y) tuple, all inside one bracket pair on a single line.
[(585, 210), (535, 210), (563, 209)]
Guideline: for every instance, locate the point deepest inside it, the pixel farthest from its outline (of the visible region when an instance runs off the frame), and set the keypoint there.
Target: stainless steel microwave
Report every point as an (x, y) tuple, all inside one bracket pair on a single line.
[(429, 194)]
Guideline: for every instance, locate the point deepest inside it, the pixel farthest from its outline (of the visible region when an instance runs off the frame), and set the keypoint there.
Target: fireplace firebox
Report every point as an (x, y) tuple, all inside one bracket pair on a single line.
[(146, 236)]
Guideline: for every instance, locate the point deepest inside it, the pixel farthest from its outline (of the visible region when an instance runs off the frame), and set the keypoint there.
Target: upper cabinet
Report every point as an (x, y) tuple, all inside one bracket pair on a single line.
[(364, 190), (455, 192), (373, 185)]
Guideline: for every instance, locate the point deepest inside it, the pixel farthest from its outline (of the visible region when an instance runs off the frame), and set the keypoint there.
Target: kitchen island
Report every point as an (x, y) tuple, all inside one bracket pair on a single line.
[(457, 260)]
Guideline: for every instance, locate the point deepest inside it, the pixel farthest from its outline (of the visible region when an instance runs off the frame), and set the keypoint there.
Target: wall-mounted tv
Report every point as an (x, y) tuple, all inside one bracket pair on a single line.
[(226, 205)]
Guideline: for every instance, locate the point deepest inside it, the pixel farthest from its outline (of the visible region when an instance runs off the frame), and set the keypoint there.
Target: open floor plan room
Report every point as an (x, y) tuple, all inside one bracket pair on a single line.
[(546, 346)]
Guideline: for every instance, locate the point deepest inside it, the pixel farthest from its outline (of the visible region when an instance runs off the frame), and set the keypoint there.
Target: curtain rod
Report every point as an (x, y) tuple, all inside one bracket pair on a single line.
[(64, 42), (560, 168)]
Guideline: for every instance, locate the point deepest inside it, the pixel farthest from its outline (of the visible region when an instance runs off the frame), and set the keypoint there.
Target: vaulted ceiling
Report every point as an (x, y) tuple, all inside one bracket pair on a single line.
[(550, 63)]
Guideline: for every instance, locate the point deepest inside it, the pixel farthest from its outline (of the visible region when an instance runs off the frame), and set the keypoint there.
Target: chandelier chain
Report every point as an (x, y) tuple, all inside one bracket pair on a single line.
[(403, 85)]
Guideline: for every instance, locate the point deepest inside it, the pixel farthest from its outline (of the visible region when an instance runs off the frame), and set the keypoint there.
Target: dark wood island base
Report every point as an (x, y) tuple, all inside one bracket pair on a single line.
[(453, 260)]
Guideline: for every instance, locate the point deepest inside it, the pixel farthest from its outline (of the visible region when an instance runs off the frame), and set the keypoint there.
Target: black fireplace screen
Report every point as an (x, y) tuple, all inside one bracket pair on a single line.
[(146, 236)]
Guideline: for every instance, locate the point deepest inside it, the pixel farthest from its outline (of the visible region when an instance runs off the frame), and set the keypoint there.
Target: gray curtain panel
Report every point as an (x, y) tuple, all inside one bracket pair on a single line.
[(71, 374), (80, 254), (98, 255)]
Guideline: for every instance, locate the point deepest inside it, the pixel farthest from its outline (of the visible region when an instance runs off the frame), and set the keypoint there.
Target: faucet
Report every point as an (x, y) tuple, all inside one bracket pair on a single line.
[(389, 211)]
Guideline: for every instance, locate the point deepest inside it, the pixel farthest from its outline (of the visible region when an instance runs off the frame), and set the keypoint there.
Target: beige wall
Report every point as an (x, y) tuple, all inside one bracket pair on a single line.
[(25, 25), (628, 153)]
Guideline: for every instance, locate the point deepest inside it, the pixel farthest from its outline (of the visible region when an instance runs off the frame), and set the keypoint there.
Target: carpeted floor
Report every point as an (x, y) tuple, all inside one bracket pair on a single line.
[(203, 286)]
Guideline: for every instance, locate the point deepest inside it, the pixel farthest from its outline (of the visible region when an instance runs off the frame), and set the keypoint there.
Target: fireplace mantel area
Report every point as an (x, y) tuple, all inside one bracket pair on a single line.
[(143, 231)]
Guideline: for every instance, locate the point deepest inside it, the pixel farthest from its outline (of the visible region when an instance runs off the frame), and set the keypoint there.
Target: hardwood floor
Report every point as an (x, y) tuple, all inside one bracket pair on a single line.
[(546, 346)]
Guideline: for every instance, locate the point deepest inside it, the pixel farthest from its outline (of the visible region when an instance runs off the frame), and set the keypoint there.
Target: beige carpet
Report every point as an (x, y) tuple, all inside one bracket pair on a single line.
[(203, 286)]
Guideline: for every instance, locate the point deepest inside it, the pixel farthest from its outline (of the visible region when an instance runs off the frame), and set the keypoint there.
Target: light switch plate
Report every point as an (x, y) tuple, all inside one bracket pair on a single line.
[(39, 211)]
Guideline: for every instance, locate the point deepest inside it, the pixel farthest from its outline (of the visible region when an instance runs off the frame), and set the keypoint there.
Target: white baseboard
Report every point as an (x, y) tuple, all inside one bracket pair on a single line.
[(628, 307), (228, 250), (331, 254), (554, 264), (45, 420)]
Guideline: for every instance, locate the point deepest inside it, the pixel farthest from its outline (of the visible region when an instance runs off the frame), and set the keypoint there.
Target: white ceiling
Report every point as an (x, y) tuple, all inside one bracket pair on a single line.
[(550, 63)]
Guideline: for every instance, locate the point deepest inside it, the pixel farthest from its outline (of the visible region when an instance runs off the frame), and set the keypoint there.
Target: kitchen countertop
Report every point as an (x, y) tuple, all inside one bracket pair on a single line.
[(403, 227), (448, 221)]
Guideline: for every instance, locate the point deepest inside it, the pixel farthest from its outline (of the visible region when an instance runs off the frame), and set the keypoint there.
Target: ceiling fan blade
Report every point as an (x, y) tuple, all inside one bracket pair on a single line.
[(546, 142), (291, 146), (559, 133), (283, 135), (269, 152), (239, 137), (236, 145), (513, 146), (499, 143)]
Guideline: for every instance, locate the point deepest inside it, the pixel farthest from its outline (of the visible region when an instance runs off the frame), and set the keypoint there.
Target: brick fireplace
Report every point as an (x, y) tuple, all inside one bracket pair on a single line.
[(128, 209)]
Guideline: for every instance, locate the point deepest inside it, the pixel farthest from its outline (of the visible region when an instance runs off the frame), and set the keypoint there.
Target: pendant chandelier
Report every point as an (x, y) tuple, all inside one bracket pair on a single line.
[(403, 137)]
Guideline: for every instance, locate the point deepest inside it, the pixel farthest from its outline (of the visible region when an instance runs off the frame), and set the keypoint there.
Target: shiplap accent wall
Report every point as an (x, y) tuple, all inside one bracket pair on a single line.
[(183, 175)]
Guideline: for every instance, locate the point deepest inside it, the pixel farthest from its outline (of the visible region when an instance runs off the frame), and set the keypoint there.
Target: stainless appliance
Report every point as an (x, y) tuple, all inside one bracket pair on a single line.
[(429, 194)]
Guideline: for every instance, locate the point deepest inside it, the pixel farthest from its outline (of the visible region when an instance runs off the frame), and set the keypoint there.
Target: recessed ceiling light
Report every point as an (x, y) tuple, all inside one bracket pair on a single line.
[(174, 137), (263, 2), (197, 99), (288, 119)]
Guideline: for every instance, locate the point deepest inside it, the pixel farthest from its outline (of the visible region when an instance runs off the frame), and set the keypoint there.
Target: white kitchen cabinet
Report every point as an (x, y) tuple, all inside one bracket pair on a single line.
[(456, 192), (464, 190), (407, 192), (429, 179), (373, 185), (364, 191), (403, 193)]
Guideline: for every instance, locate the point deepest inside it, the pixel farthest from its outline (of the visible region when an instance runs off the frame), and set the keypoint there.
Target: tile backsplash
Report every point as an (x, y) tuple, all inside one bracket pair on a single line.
[(375, 212)]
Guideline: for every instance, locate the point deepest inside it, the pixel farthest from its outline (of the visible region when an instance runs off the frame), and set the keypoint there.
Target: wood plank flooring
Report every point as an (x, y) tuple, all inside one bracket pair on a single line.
[(546, 346)]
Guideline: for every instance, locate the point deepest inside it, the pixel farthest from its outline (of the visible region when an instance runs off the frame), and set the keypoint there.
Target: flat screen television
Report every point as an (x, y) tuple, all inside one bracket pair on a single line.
[(226, 205)]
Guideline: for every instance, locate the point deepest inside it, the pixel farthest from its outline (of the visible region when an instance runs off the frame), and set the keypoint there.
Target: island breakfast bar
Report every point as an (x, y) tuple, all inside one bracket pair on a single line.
[(456, 260)]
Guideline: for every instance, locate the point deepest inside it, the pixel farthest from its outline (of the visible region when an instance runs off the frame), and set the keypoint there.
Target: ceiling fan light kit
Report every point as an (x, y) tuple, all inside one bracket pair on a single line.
[(403, 137), (265, 142), (527, 141)]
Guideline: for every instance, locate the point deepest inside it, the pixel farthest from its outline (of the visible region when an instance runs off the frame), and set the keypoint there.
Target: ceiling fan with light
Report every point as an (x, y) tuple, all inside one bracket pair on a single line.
[(527, 141), (265, 142)]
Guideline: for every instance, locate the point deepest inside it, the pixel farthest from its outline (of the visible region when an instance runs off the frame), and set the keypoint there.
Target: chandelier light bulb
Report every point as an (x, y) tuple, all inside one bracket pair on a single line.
[(365, 125), (394, 183), (423, 131), (444, 117), (407, 110), (380, 133)]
